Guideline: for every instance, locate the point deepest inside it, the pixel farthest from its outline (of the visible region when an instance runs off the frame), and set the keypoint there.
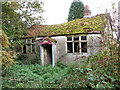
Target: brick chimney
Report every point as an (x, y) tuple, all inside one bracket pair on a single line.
[(87, 12)]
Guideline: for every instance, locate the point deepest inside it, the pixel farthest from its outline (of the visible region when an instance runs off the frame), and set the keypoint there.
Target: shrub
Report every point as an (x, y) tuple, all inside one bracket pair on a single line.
[(98, 71), (35, 59), (61, 65), (7, 54), (22, 56)]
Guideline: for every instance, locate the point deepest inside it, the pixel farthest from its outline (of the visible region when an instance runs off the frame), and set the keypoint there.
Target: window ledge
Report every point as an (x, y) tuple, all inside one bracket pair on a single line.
[(77, 53)]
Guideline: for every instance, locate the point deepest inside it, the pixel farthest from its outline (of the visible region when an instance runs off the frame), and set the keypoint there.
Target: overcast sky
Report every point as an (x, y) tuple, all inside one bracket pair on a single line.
[(56, 11)]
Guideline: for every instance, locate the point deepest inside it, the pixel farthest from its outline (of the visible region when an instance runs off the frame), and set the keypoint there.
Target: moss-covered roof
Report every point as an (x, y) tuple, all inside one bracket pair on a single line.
[(83, 25)]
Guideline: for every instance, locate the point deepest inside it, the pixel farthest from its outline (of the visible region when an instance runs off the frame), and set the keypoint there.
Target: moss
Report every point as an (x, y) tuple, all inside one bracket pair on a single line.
[(51, 39), (83, 25)]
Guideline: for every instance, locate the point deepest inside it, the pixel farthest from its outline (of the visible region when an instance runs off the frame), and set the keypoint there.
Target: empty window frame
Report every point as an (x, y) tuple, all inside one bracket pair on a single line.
[(77, 44), (30, 46), (69, 47), (83, 47)]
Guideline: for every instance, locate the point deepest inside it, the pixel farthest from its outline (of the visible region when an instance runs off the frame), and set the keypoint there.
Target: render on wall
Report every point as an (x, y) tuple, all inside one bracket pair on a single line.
[(60, 48)]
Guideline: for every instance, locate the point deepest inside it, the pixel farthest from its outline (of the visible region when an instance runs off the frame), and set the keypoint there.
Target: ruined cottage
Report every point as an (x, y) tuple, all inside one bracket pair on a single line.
[(65, 42)]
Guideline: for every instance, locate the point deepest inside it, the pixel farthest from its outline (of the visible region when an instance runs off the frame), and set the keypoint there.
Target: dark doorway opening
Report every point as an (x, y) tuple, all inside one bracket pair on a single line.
[(47, 54)]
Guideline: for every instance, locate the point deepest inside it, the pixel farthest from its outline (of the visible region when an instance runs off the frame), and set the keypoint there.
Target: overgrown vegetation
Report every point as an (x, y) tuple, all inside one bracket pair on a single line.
[(7, 54), (94, 72), (27, 60), (34, 76), (17, 17), (97, 71)]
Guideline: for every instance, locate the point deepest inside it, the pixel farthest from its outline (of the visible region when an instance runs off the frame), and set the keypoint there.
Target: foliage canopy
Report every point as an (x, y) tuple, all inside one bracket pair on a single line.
[(18, 16), (7, 54), (76, 10)]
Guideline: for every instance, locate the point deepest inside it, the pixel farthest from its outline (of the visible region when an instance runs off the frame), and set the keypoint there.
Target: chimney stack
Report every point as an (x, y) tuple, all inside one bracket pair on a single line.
[(87, 12)]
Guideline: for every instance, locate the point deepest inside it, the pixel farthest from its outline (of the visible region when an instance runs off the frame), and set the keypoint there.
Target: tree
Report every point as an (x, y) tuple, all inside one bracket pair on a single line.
[(76, 10), (18, 16), (7, 54), (12, 24)]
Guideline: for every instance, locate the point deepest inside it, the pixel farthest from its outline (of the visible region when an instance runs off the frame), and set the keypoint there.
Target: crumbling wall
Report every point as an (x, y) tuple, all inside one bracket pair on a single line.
[(93, 47), (60, 48)]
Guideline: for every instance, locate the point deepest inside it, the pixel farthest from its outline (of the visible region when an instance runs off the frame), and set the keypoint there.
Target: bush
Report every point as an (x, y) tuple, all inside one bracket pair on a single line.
[(35, 59), (61, 65), (98, 71), (22, 56)]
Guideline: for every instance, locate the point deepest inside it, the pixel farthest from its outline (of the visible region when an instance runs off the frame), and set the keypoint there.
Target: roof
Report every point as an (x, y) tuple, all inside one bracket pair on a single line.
[(46, 38), (83, 25)]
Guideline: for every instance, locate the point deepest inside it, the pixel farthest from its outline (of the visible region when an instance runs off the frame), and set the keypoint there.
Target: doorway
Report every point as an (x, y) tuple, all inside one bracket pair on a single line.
[(47, 54)]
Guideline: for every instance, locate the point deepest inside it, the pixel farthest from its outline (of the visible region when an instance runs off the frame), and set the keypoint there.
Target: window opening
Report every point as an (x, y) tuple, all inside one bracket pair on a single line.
[(83, 38), (69, 47), (77, 44), (76, 47), (29, 48), (28, 41), (69, 38), (33, 48), (84, 47), (76, 38)]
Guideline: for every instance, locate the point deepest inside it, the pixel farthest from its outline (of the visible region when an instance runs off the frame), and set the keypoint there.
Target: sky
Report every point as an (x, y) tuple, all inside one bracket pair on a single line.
[(56, 11)]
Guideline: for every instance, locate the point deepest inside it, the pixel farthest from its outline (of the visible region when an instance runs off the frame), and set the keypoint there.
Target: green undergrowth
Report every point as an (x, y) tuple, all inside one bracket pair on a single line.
[(95, 72), (35, 76)]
